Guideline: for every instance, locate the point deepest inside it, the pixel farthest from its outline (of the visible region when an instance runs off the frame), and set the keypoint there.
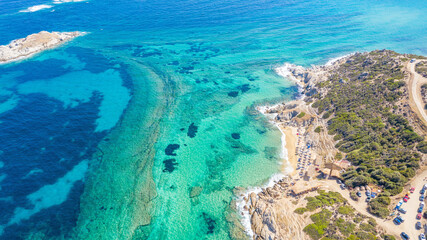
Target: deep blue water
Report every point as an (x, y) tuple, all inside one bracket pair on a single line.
[(57, 106)]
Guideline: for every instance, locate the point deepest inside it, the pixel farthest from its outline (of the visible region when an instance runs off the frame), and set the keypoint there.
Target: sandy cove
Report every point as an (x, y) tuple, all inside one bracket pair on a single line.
[(291, 144), (268, 212)]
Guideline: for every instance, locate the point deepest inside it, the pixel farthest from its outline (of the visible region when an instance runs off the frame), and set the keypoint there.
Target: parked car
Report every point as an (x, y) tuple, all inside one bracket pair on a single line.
[(402, 210), (423, 191), (373, 195), (359, 194), (412, 60), (405, 199), (418, 225), (342, 186), (422, 236), (422, 198), (404, 235), (368, 193), (419, 216), (420, 209), (422, 204), (397, 221), (368, 199), (412, 189)]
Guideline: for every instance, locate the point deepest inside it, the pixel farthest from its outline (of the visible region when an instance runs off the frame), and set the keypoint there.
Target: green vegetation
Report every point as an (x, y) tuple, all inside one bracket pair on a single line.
[(321, 222), (422, 147), (301, 115), (381, 144), (324, 199), (421, 68), (336, 219), (318, 129), (389, 237), (346, 210), (354, 196), (301, 210), (379, 206)]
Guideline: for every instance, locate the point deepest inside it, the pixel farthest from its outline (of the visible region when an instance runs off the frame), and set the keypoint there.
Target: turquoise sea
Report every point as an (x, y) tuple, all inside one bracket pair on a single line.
[(142, 128)]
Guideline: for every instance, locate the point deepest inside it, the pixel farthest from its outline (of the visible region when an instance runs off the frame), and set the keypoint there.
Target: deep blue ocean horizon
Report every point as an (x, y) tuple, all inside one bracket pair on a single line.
[(196, 67)]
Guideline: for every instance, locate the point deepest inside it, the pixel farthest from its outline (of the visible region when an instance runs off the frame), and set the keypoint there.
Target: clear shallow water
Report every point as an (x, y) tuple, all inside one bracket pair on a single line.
[(195, 70)]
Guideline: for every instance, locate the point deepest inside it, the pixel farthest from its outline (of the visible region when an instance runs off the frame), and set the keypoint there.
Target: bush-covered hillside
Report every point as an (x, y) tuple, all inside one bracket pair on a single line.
[(337, 219), (358, 104)]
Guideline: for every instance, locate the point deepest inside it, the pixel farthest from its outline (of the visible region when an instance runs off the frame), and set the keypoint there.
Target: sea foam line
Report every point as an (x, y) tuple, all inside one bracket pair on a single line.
[(240, 202), (333, 60), (37, 8)]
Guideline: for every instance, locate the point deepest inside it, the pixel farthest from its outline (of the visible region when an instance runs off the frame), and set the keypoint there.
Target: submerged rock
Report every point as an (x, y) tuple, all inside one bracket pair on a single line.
[(192, 130), (235, 135), (169, 165), (233, 94), (170, 149), (195, 191)]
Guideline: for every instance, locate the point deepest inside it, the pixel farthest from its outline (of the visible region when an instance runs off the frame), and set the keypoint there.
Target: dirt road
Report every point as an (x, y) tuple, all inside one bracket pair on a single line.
[(414, 86)]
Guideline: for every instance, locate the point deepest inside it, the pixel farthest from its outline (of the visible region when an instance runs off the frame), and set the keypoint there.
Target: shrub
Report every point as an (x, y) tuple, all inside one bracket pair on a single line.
[(315, 231), (422, 146), (346, 210), (301, 210), (302, 114), (379, 206)]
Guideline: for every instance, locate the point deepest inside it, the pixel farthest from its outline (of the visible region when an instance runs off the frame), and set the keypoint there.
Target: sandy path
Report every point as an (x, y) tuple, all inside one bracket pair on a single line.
[(414, 85)]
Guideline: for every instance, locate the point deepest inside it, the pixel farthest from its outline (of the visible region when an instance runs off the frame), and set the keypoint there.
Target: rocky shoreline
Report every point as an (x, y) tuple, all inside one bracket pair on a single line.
[(268, 211), (26, 47)]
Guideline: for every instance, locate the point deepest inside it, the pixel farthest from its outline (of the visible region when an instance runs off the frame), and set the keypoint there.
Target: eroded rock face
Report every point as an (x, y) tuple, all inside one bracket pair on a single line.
[(34, 43)]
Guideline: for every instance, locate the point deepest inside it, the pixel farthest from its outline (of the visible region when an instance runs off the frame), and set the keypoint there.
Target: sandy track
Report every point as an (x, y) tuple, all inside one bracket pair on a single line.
[(414, 86)]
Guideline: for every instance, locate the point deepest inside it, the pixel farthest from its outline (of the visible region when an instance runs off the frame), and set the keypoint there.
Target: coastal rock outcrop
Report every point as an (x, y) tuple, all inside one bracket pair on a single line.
[(25, 47)]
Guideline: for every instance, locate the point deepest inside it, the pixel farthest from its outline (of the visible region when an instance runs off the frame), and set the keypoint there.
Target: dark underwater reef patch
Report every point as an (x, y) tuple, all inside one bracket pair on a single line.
[(210, 223), (66, 134), (34, 70), (146, 52), (244, 88), (235, 135), (95, 62), (192, 130), (233, 94), (170, 149), (169, 165)]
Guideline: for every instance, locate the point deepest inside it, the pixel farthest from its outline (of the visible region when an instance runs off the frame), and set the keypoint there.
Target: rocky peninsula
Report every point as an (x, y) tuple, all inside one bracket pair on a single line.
[(355, 126), (35, 43)]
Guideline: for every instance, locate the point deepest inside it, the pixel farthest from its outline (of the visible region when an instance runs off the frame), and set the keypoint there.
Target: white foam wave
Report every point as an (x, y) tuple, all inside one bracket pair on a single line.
[(285, 71), (66, 1), (333, 60), (37, 8), (240, 202)]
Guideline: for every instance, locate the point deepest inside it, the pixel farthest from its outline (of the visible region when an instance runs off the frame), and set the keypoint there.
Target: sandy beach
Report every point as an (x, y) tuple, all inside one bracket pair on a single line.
[(291, 141)]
